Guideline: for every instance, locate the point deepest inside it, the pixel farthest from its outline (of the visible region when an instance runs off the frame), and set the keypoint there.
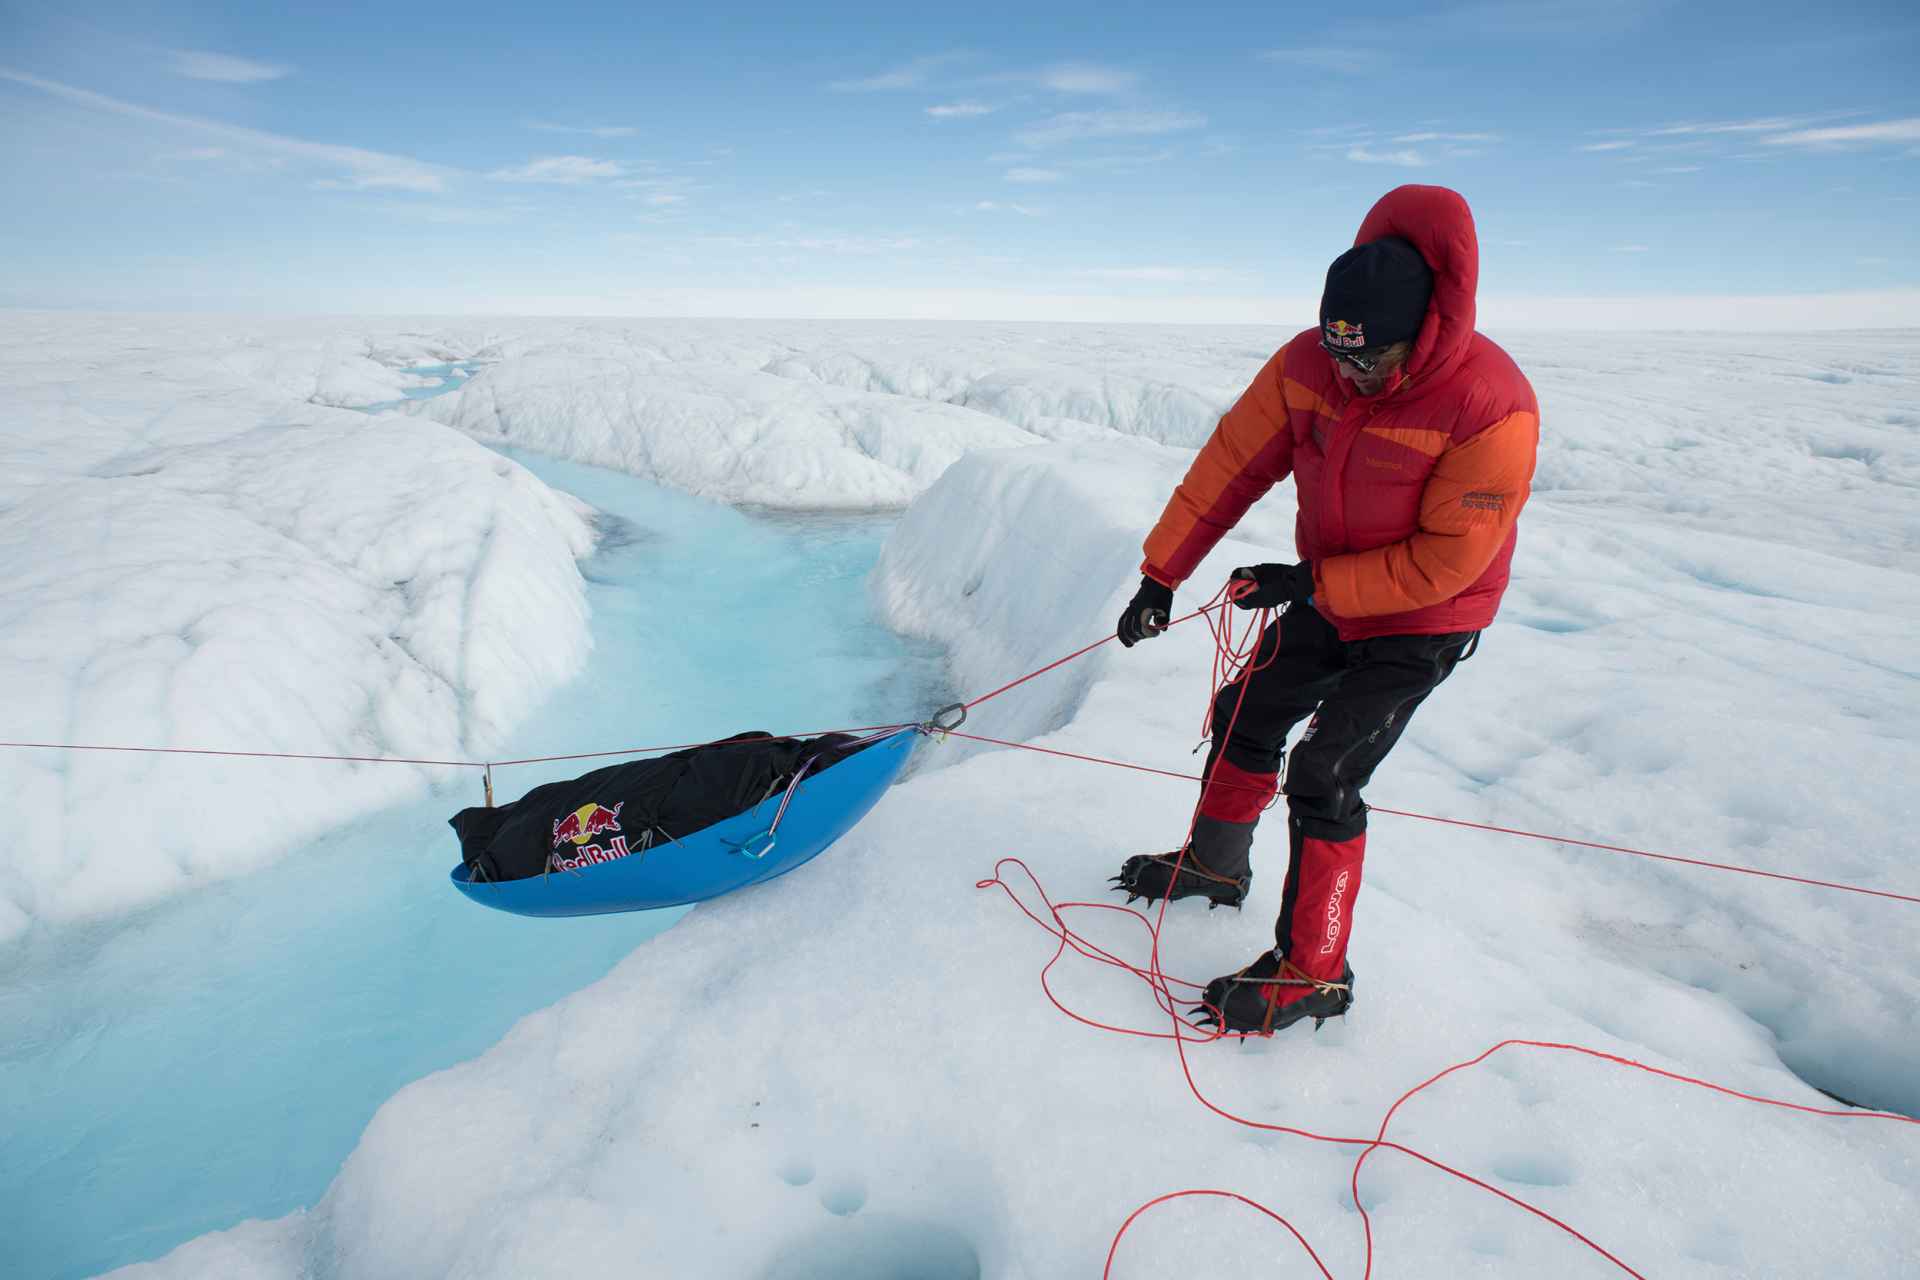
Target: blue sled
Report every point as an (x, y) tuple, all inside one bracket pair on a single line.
[(728, 855)]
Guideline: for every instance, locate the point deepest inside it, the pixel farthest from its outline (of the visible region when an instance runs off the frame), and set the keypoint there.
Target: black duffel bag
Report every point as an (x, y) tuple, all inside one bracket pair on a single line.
[(625, 809)]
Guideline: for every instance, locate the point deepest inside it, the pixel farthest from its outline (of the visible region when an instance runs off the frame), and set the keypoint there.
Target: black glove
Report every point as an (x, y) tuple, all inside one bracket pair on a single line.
[(1146, 614), (1275, 585)]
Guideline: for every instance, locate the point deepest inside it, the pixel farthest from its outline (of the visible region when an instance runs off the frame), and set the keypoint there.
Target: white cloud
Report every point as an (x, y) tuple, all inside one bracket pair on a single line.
[(1678, 168), (661, 199), (1080, 77), (1448, 137), (1156, 275), (591, 130), (908, 75), (1907, 130), (1033, 175), (1071, 126), (439, 214), (196, 65), (1710, 135), (363, 169), (1346, 61), (1630, 248), (1765, 124), (1004, 206), (819, 242), (661, 181), (1407, 158), (960, 110), (562, 170), (1124, 162)]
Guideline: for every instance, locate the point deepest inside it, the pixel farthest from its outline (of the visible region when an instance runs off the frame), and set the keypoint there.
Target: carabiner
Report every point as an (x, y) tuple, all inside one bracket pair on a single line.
[(937, 722), (747, 847)]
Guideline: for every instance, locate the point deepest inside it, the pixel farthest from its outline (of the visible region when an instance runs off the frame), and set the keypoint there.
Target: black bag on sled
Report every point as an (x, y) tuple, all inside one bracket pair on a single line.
[(628, 808)]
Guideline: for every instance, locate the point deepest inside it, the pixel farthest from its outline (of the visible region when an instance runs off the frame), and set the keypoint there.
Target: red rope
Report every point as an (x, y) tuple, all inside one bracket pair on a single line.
[(1645, 853), (1161, 985), (1232, 660), (1227, 662), (451, 764), (1224, 1195), (249, 755), (1078, 653)]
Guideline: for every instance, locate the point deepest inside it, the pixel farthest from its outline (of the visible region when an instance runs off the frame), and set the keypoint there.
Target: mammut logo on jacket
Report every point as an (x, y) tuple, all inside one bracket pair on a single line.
[(1484, 501), (1334, 904)]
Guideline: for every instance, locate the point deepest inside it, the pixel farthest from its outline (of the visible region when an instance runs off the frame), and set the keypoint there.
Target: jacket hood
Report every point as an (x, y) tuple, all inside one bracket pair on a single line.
[(1438, 223)]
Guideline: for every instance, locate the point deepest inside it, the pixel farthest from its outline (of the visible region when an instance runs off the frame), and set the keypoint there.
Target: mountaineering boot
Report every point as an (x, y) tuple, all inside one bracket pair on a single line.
[(1151, 876), (1216, 867), (1270, 995)]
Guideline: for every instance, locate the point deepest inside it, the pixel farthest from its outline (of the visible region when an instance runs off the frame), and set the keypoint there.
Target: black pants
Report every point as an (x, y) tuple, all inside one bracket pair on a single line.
[(1360, 694)]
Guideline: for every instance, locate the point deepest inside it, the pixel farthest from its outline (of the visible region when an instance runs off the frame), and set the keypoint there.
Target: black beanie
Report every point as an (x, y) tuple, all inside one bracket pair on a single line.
[(1376, 295)]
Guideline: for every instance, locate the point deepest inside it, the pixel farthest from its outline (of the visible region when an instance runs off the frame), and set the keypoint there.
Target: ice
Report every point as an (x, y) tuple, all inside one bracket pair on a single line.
[(223, 556), (723, 433), (247, 1032), (195, 551), (1707, 648)]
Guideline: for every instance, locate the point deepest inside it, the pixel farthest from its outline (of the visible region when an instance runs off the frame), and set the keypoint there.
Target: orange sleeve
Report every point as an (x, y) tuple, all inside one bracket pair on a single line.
[(1472, 499), (1250, 451)]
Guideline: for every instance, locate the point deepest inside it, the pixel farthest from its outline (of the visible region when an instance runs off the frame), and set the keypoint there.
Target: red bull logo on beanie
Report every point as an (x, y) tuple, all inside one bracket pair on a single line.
[(586, 822), (1344, 334)]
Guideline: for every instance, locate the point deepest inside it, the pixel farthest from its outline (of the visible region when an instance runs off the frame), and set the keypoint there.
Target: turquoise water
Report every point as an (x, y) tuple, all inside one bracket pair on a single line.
[(215, 1058), (451, 377)]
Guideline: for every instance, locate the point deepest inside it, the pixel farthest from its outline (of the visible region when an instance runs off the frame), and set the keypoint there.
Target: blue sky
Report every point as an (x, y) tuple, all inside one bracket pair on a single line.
[(787, 159)]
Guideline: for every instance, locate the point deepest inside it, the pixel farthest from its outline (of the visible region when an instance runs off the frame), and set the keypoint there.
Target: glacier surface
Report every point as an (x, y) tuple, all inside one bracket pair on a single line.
[(1707, 649)]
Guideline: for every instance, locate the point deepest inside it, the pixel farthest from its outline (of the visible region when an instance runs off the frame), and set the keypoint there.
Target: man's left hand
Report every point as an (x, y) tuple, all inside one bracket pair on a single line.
[(1274, 585)]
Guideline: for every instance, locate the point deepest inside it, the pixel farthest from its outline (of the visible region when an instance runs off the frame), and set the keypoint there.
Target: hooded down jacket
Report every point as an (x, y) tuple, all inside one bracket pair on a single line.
[(1408, 499)]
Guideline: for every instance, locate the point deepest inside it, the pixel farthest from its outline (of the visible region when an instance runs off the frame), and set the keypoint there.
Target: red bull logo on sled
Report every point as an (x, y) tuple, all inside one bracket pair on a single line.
[(580, 828), (586, 822), (592, 855)]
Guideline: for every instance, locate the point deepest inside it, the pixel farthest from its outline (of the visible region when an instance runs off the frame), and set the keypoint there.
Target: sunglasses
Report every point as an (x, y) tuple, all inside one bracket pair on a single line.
[(1365, 362)]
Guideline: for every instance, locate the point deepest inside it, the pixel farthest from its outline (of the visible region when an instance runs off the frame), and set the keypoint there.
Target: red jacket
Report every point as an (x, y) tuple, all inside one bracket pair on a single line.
[(1408, 499)]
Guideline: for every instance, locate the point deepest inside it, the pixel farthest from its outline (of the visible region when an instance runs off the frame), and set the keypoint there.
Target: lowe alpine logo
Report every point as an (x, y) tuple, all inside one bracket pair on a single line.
[(1333, 913)]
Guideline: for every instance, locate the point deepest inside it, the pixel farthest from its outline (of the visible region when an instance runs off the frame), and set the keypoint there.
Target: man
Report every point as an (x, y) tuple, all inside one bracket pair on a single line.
[(1411, 442)]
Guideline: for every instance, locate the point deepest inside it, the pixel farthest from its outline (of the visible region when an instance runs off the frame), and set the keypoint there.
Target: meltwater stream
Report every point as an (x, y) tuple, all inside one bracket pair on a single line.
[(215, 1058)]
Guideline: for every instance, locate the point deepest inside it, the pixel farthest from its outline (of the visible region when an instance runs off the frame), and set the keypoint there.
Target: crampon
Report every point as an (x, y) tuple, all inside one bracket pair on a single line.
[(1270, 995), (1152, 876)]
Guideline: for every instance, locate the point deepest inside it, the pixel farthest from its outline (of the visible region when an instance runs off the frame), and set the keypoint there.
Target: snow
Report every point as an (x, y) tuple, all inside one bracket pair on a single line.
[(338, 973), (733, 435), (1707, 648), (196, 551)]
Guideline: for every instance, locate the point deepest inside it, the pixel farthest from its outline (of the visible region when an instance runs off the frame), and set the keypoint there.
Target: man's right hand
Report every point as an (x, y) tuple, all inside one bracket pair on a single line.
[(1146, 614)]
